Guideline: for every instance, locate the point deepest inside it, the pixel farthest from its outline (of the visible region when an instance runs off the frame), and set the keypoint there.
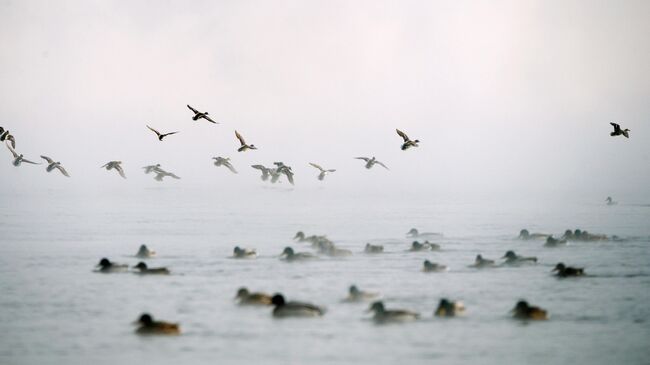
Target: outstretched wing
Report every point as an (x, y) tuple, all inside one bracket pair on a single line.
[(240, 138), (13, 152), (616, 126), (192, 109), (207, 117), (169, 134), (363, 158), (11, 139), (155, 131), (403, 135), (28, 161), (317, 166), (119, 169), (65, 173), (381, 164), (259, 167), (49, 160), (230, 167)]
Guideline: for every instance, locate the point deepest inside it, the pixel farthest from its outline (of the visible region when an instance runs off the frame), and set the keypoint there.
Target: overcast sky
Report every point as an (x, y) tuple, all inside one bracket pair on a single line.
[(504, 95)]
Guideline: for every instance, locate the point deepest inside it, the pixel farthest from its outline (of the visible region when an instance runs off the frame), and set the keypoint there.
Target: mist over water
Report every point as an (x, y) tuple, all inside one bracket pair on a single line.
[(511, 101)]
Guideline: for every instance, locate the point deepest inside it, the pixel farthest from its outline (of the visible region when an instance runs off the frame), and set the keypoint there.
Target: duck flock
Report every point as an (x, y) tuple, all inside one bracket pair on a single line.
[(321, 244)]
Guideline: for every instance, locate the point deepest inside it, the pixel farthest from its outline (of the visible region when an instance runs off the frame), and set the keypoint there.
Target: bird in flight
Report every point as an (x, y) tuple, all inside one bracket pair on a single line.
[(152, 168), (5, 136), (115, 165), (323, 172), (618, 131), (370, 162), (408, 143), (198, 115), (243, 146), (221, 161), (265, 171), (54, 165), (18, 159), (161, 135)]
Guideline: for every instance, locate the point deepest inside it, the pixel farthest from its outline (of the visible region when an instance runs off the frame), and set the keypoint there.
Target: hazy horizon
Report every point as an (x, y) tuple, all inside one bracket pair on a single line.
[(508, 97)]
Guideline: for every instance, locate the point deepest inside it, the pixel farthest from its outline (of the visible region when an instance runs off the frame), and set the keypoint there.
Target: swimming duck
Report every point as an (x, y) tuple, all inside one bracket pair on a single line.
[(407, 142), (6, 136), (554, 242), (565, 271), (525, 235), (106, 266), (447, 308), (525, 311), (150, 327), (247, 298), (155, 270), (144, 252), (480, 262), (243, 144), (383, 315), (18, 159), (161, 135), (433, 267), (152, 168), (357, 295), (618, 131), (290, 255), (323, 172), (198, 115), (115, 165), (426, 246), (370, 162), (294, 309), (244, 253), (266, 172), (373, 248), (413, 233), (221, 161), (513, 259), (54, 165)]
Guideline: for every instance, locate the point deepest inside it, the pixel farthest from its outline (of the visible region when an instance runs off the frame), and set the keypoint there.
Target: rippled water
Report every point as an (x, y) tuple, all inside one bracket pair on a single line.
[(54, 309)]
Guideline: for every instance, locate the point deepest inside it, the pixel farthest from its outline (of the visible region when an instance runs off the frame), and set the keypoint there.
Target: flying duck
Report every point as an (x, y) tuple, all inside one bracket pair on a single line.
[(323, 172), (115, 165), (198, 115), (54, 165), (618, 131), (265, 171), (525, 311), (152, 168), (247, 298), (160, 174), (221, 161), (407, 142), (18, 159), (294, 309), (154, 270), (5, 136), (383, 315), (370, 162), (284, 169), (161, 135), (150, 327), (243, 146)]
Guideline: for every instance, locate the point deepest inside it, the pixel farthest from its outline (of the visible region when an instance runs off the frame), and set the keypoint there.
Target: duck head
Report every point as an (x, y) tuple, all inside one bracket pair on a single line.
[(413, 232), (278, 300), (145, 320), (444, 308), (510, 255), (559, 267), (237, 250), (242, 293), (288, 251), (354, 290), (521, 307), (299, 235), (524, 233), (377, 307), (141, 266), (104, 262)]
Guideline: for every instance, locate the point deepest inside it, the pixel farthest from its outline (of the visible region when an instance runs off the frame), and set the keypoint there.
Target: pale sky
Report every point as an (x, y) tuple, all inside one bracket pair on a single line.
[(504, 95)]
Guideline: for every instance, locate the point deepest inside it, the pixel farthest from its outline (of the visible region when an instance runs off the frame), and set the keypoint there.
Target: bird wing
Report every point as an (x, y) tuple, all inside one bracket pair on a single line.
[(169, 134), (363, 158), (240, 138), (155, 131), (49, 160), (173, 175), (331, 170), (192, 109), (119, 169), (206, 117), (403, 135), (28, 161), (12, 140), (65, 173), (289, 176), (108, 163), (384, 166), (317, 166), (259, 167), (13, 152), (230, 167)]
